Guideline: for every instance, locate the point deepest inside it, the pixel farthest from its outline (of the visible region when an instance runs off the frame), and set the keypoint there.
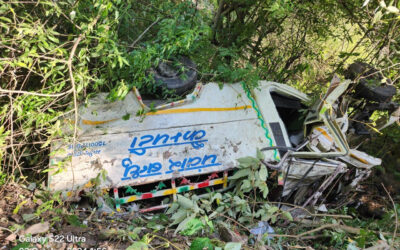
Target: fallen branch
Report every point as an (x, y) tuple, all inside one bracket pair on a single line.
[(348, 229), (395, 214), (235, 221), (6, 229), (312, 214), (35, 93), (71, 77), (144, 32), (166, 240)]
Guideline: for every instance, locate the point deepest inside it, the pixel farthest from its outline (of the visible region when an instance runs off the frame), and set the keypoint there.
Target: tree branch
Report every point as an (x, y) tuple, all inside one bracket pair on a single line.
[(144, 32), (35, 93)]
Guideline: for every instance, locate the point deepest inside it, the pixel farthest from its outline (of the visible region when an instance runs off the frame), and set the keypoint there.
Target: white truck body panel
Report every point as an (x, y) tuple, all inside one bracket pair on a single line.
[(203, 136)]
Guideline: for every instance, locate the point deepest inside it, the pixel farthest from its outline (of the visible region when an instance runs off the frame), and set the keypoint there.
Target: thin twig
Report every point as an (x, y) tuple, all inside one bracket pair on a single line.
[(395, 214), (235, 221), (6, 229), (165, 239), (71, 76), (352, 230), (35, 93), (144, 32), (312, 214)]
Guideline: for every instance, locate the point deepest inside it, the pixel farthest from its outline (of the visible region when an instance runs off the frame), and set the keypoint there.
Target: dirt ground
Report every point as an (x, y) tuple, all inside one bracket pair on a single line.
[(68, 227), (80, 225)]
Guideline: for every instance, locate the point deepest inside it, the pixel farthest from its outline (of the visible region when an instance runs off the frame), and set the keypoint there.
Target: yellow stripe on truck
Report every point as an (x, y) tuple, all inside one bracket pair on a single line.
[(173, 111), (191, 110), (89, 122), (324, 133), (359, 159)]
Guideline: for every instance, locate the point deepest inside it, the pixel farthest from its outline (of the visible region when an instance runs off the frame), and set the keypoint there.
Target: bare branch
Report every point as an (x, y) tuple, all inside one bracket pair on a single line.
[(35, 93), (144, 32), (395, 214)]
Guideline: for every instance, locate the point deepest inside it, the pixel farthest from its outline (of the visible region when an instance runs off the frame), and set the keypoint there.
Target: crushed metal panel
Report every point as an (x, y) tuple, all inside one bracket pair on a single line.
[(201, 137), (320, 168)]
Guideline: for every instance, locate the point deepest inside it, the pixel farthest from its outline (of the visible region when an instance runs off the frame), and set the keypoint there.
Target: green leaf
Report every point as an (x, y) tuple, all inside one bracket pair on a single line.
[(233, 246), (263, 173), (264, 188), (216, 196), (173, 208), (287, 215), (209, 223), (74, 221), (241, 173), (272, 209), (246, 186), (155, 226), (18, 207), (24, 245), (201, 243), (248, 161), (192, 226), (28, 217), (134, 234), (260, 155), (179, 216), (183, 224), (185, 202), (138, 245), (377, 17), (5, 19), (54, 39), (126, 117)]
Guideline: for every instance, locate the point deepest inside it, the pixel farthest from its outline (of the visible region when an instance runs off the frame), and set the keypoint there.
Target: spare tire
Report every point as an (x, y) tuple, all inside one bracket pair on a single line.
[(378, 94), (369, 82), (167, 75)]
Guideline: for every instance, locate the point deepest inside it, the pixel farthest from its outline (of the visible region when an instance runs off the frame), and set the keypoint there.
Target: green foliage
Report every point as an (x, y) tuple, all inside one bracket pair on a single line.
[(252, 174), (37, 46), (246, 204), (51, 202), (189, 216), (138, 245), (193, 226), (23, 245), (74, 221), (233, 246), (158, 222), (201, 243), (3, 178)]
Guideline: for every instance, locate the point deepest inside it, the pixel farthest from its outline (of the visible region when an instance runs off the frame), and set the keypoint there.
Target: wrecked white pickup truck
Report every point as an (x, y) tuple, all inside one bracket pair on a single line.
[(194, 143)]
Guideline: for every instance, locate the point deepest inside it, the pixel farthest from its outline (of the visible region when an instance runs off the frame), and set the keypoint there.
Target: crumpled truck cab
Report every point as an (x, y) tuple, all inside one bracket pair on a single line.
[(204, 134)]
